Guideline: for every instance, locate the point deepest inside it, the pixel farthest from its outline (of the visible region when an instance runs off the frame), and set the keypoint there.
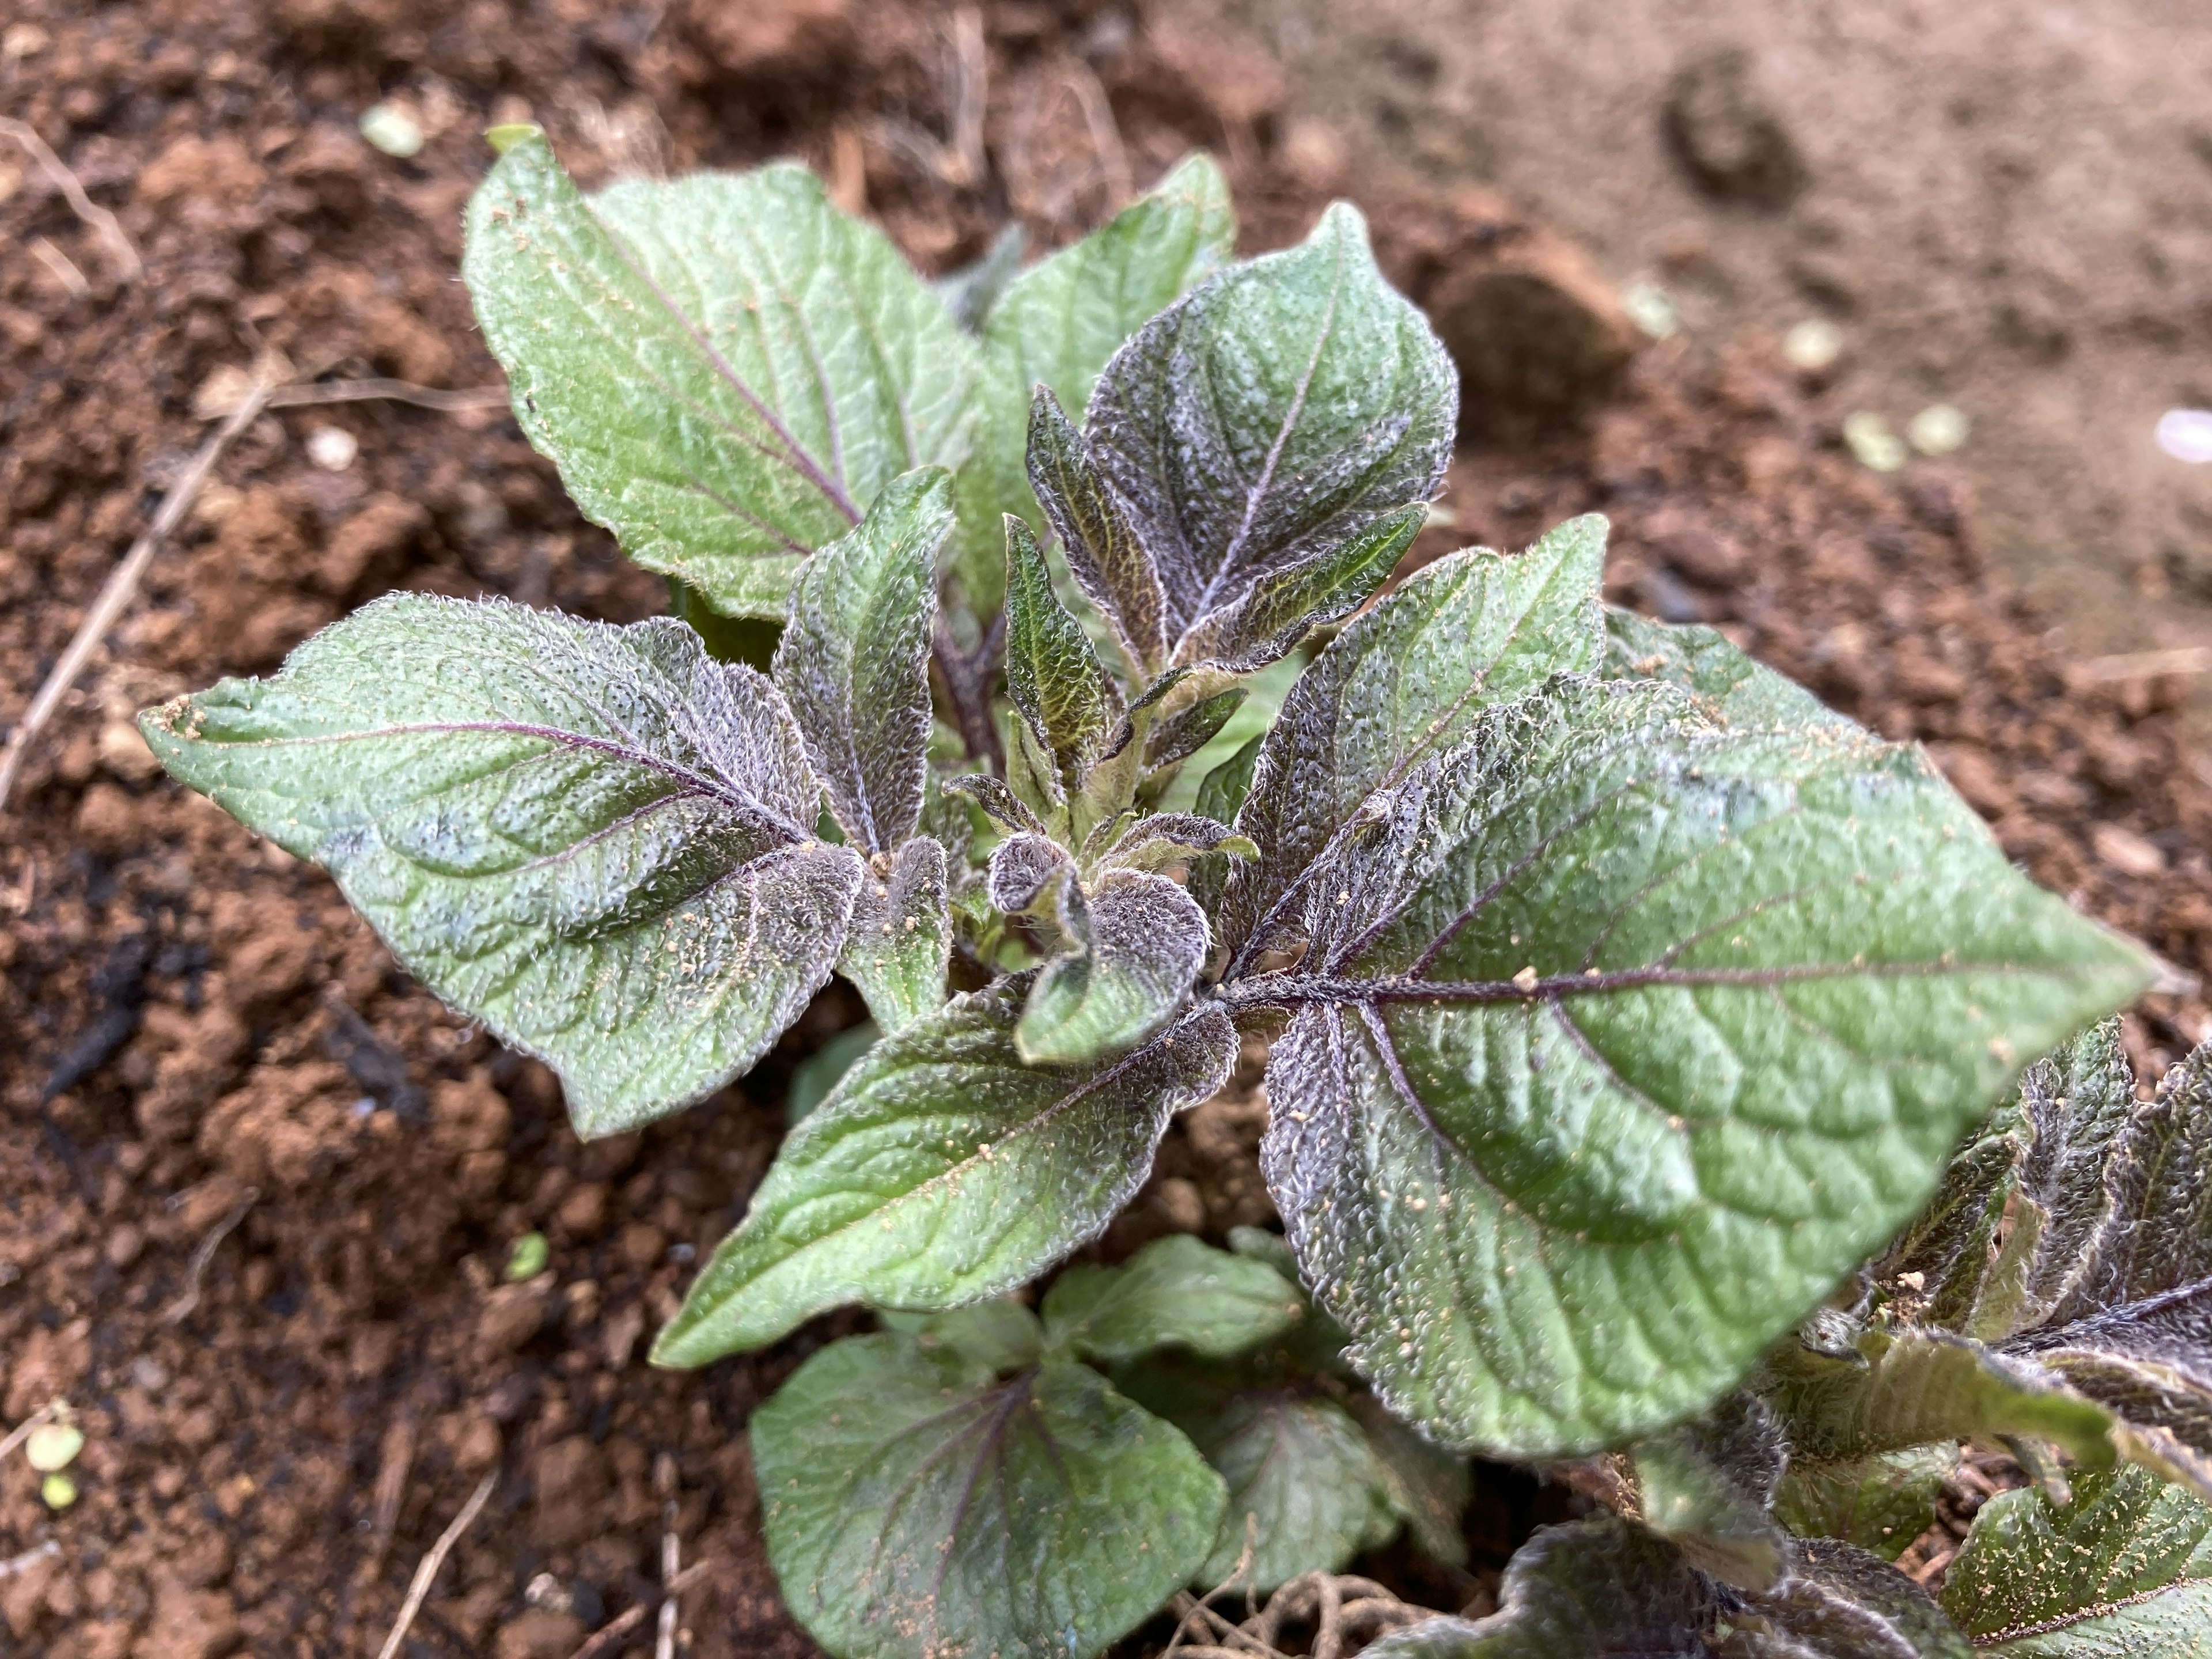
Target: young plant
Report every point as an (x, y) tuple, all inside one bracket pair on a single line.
[(1622, 999)]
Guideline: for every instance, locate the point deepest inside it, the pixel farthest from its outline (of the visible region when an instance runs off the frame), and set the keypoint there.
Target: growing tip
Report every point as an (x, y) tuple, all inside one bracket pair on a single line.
[(506, 137)]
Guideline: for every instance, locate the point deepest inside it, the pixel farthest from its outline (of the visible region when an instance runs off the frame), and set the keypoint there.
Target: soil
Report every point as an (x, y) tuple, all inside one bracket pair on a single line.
[(2003, 207), (258, 1191)]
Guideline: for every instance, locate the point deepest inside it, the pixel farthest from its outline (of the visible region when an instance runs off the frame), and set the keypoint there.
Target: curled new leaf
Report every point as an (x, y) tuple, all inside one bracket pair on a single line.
[(1620, 1036), (944, 1169), (1266, 422), (1067, 700), (915, 1505), (725, 368), (596, 840), (1140, 940)]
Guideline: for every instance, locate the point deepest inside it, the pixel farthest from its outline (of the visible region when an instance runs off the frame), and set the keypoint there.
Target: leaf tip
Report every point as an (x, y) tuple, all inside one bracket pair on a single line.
[(509, 134)]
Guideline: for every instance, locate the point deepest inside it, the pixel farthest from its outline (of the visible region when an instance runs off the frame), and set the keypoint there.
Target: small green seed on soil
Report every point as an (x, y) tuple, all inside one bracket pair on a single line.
[(528, 1258), (59, 1491), (53, 1447)]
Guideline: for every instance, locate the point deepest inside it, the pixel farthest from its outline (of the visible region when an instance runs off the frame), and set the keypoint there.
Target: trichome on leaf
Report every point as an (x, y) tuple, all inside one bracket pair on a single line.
[(1622, 998)]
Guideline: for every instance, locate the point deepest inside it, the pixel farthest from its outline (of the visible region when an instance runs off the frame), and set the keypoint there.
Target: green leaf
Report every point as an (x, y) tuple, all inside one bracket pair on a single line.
[(944, 1171), (814, 1077), (1403, 684), (1916, 1387), (1305, 1488), (1001, 1334), (725, 368), (914, 1507), (1176, 1292), (1160, 841), (901, 939), (1183, 733), (1275, 414), (2103, 1277), (1594, 1589), (1429, 1487), (1222, 793), (1706, 1486), (1058, 323), (1103, 554), (1734, 689), (1880, 1503), (1024, 875), (1840, 1602), (855, 659), (1140, 941), (1283, 603), (2122, 1572), (1622, 1037), (970, 292), (595, 840), (1067, 697)]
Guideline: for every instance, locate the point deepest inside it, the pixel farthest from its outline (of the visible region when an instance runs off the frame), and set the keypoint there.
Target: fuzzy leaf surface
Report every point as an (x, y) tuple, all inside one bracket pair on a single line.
[(1177, 1291), (1272, 415), (853, 661), (1063, 691), (915, 1506), (1622, 1037), (1593, 1590), (1404, 684), (1707, 1485), (2104, 1275), (901, 939), (1880, 1503), (1059, 322), (1104, 553), (2125, 1571), (1141, 941), (1840, 1602), (725, 368), (944, 1169), (1733, 689), (596, 840)]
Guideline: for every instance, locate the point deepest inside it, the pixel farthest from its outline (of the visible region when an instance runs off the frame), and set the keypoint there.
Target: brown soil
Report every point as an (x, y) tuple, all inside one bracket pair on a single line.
[(211, 1063)]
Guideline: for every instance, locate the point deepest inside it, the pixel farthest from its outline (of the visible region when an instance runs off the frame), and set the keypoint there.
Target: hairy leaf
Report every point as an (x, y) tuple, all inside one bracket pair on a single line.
[(1176, 1292), (595, 840), (1285, 603), (1141, 941), (855, 659), (1880, 1503), (1025, 872), (1222, 793), (1273, 416), (943, 1171), (1910, 1388), (1401, 684), (2125, 1571), (725, 368), (1059, 322), (1621, 1035), (901, 937), (1595, 1590), (1840, 1602), (914, 1507), (1065, 694), (1160, 841), (1734, 689), (1305, 1486), (999, 804), (1706, 1485), (1183, 733), (1106, 560), (2075, 1234)]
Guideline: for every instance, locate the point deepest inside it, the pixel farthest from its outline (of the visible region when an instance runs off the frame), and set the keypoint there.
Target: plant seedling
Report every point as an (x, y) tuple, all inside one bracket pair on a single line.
[(1622, 999)]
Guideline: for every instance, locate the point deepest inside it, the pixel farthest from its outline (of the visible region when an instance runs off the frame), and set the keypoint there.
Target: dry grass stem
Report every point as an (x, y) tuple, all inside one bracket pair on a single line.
[(436, 1559), (2143, 665), (608, 1638), (664, 1480), (128, 265), (204, 1254), (63, 267), (122, 584), (1345, 1612)]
